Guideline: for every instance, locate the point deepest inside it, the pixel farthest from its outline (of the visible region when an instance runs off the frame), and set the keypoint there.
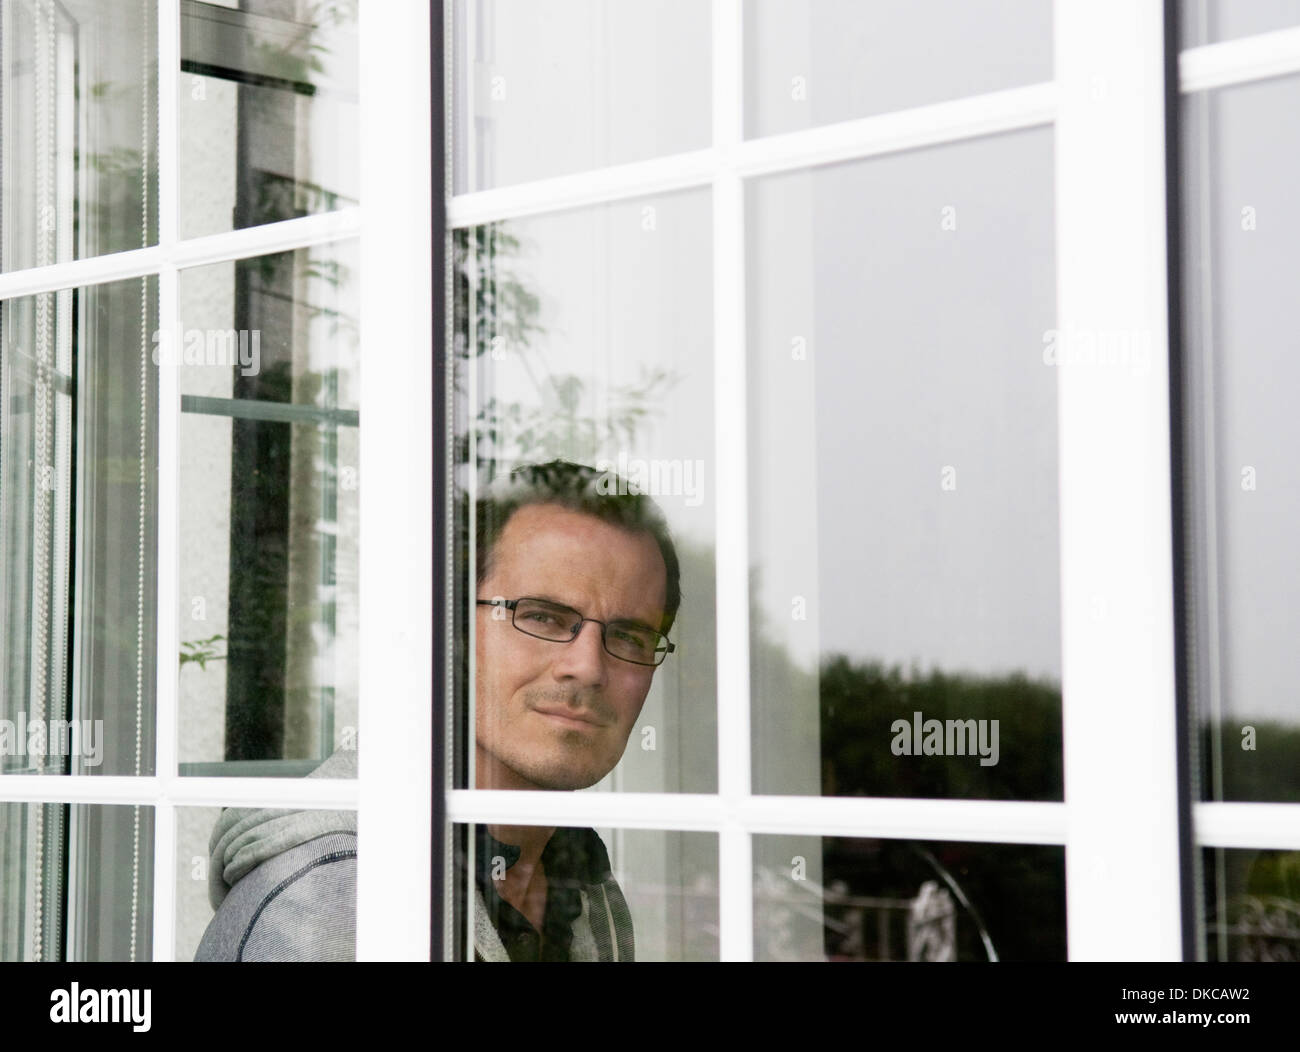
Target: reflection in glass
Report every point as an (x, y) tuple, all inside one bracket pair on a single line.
[(563, 350), (80, 128), (612, 895), (809, 64), (548, 89), (1212, 21), (1252, 905), (1241, 233), (78, 492), (76, 882), (268, 112), (905, 614), (269, 372), (841, 899)]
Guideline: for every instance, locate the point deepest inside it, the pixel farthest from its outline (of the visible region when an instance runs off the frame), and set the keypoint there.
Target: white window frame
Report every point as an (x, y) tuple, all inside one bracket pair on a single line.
[(393, 792), (1120, 821)]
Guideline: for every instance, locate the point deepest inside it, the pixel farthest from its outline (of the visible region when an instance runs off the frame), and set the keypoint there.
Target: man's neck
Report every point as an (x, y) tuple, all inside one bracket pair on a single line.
[(524, 883)]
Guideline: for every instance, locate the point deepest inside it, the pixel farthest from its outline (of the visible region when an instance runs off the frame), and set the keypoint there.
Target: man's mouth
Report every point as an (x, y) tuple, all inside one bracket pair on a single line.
[(577, 718)]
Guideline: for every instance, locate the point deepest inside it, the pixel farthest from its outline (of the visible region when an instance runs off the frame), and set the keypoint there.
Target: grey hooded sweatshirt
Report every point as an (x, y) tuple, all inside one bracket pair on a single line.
[(284, 887), (284, 883)]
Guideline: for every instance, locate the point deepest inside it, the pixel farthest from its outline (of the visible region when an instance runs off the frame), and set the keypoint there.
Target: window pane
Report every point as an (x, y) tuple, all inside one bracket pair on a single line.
[(1243, 151), (565, 351), (80, 128), (616, 895), (1252, 905), (269, 373), (78, 494), (548, 89), (76, 882), (841, 899), (809, 64), (265, 884), (1212, 21), (903, 493), (268, 112)]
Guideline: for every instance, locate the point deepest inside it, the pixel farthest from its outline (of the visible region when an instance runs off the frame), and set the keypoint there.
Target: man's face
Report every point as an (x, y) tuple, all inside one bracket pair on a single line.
[(554, 715)]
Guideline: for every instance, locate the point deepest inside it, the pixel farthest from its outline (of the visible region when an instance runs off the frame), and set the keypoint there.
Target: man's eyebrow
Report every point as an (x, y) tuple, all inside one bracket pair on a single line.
[(635, 622), (622, 619), (548, 598)]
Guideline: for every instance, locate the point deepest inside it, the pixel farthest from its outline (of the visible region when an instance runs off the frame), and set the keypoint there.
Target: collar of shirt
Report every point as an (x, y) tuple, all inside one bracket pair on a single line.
[(572, 860)]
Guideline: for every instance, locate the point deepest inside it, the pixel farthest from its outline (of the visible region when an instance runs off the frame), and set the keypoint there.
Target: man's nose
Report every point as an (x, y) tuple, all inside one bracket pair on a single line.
[(584, 659)]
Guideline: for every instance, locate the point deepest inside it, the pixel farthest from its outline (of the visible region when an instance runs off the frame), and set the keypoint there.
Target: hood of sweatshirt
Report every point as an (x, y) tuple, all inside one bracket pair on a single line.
[(245, 837)]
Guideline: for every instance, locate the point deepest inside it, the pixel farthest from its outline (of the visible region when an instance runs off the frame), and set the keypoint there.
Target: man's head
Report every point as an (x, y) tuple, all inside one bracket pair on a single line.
[(557, 715)]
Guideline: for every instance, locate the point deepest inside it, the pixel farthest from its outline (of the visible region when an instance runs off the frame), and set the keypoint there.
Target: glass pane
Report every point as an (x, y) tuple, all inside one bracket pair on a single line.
[(1252, 905), (1212, 21), (842, 899), (268, 112), (808, 64), (76, 882), (1241, 226), (269, 374), (78, 494), (565, 353), (616, 895), (548, 89), (903, 476), (80, 127), (265, 884)]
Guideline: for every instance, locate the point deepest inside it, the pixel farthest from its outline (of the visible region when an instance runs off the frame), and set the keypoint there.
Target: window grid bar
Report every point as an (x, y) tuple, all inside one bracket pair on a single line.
[(168, 507), (987, 821), (194, 252), (1117, 598), (395, 788), (735, 869), (151, 790), (167, 670), (1241, 61), (932, 125), (1248, 825)]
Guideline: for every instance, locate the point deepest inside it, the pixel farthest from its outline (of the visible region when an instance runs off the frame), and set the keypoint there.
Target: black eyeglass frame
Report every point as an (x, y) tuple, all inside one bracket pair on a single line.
[(513, 604)]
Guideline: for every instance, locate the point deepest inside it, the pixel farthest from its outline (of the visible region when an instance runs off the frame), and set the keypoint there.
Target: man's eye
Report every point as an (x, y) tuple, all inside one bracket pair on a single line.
[(540, 617), (632, 637)]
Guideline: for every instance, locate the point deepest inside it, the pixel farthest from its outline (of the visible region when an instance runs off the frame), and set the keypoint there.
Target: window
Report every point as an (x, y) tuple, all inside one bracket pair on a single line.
[(184, 279), (930, 354)]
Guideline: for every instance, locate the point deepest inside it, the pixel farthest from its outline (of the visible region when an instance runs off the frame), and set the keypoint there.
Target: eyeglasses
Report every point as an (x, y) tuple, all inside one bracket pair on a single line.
[(626, 640)]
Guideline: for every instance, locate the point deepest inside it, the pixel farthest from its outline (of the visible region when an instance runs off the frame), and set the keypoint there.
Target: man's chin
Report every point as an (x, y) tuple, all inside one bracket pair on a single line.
[(561, 782)]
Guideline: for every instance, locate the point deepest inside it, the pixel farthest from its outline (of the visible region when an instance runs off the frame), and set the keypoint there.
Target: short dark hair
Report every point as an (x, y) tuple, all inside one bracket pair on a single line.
[(600, 494)]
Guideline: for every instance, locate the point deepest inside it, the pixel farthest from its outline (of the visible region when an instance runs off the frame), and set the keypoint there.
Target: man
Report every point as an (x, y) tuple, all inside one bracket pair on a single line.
[(578, 585)]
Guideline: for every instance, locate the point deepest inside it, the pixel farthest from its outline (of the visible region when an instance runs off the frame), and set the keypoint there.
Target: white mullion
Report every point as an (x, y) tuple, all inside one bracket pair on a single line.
[(168, 500), (169, 69), (335, 794), (396, 731), (167, 668), (1261, 827), (973, 821), (1117, 600), (735, 870), (196, 252), (932, 125), (660, 175), (1240, 61)]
